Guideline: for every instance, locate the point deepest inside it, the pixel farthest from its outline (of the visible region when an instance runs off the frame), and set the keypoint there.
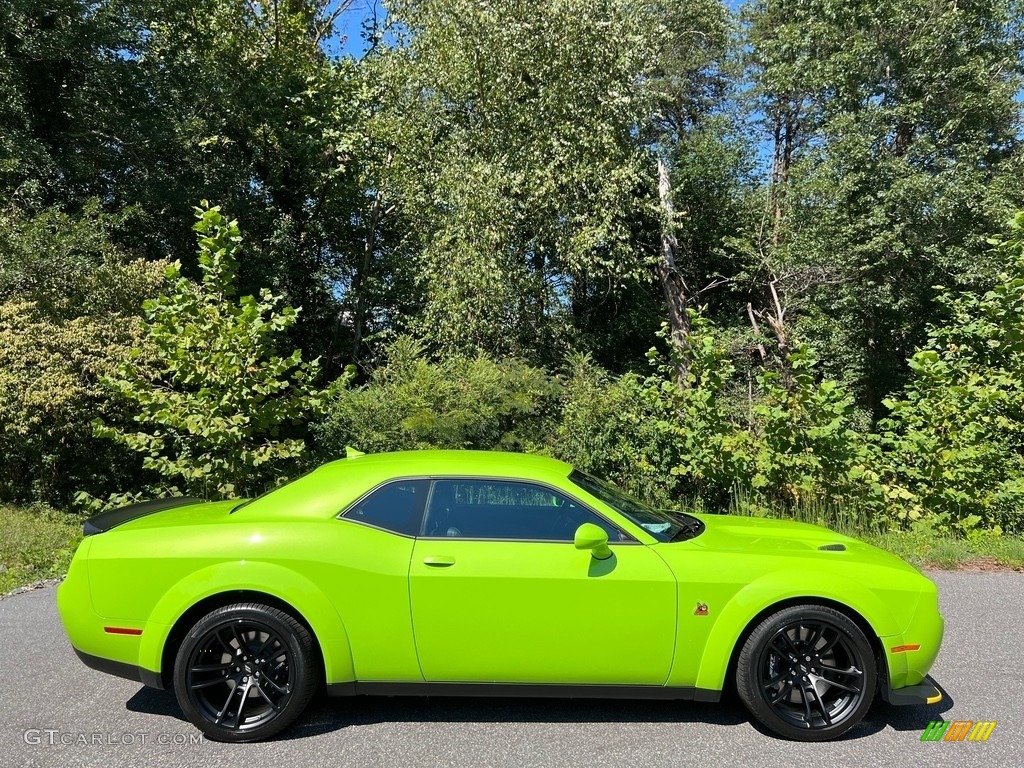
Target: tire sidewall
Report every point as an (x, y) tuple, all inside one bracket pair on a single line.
[(752, 655), (300, 658)]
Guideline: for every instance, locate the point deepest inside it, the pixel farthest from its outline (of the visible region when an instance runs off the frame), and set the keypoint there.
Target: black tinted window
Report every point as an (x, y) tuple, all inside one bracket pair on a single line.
[(397, 506), (501, 509)]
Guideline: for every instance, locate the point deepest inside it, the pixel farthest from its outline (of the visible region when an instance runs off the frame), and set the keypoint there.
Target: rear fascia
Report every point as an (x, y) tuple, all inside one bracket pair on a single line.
[(102, 645)]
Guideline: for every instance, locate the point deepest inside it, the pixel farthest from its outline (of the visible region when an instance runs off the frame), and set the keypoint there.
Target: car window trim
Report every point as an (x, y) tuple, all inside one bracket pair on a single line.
[(418, 525), (548, 486)]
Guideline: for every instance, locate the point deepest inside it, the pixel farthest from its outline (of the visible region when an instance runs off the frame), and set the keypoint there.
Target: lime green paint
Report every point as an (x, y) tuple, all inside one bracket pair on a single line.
[(386, 607), (593, 538), (511, 611)]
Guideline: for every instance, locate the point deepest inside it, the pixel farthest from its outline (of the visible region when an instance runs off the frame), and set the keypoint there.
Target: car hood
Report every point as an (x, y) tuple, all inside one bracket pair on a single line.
[(767, 536)]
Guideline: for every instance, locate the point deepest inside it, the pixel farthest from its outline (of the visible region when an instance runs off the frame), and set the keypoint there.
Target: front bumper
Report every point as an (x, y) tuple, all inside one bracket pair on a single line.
[(924, 693)]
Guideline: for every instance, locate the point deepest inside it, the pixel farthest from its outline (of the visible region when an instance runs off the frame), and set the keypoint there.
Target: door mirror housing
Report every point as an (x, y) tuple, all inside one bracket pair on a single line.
[(594, 538)]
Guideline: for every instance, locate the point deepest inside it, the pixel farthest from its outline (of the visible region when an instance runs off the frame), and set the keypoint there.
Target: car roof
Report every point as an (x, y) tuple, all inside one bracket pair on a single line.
[(316, 494), (450, 462)]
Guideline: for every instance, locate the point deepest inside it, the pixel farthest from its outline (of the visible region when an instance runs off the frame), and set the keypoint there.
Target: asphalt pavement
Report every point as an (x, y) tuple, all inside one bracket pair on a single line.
[(56, 712)]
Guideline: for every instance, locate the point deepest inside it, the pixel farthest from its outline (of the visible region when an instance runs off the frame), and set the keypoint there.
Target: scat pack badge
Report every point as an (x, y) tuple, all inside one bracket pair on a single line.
[(701, 609)]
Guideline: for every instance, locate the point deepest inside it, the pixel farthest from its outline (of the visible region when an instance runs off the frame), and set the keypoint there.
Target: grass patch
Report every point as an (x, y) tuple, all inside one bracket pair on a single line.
[(36, 543), (936, 551)]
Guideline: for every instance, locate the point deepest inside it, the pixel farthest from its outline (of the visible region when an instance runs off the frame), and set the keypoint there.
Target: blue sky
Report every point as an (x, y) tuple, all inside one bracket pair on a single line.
[(350, 25)]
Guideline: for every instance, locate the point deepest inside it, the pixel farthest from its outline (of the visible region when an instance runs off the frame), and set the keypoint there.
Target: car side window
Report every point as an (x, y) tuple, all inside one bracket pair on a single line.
[(396, 506), (507, 509)]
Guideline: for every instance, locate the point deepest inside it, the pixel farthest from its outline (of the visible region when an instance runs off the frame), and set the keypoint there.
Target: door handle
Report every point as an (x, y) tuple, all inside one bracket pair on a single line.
[(439, 561)]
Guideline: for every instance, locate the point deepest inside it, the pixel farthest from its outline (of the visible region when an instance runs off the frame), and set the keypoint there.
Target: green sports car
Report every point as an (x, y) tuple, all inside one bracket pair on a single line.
[(485, 573)]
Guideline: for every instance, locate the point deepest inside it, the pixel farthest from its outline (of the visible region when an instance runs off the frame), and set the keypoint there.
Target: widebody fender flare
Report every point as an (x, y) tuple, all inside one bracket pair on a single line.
[(275, 580), (774, 589)]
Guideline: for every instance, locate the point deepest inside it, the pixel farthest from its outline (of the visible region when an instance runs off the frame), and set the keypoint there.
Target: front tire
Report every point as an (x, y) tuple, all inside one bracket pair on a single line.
[(245, 672), (807, 673)]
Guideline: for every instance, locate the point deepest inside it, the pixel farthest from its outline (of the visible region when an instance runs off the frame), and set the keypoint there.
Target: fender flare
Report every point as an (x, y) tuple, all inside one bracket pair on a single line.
[(772, 589), (252, 576)]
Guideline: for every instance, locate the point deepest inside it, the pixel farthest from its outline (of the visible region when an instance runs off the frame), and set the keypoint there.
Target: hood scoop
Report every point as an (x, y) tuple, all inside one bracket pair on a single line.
[(833, 547)]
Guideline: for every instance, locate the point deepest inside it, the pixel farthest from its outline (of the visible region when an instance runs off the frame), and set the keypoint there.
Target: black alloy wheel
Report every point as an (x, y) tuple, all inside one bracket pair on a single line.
[(245, 672), (807, 673)]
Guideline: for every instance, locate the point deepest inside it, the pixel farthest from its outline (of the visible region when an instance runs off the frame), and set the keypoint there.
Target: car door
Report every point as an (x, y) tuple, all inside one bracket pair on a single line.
[(369, 548), (499, 592)]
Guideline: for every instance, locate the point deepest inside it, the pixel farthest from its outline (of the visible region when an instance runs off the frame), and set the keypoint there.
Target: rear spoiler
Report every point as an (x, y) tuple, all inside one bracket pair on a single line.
[(107, 520)]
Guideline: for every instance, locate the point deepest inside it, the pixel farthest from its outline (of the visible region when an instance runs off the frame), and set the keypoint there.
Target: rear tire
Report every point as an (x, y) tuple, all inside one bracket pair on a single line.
[(245, 672), (807, 673)]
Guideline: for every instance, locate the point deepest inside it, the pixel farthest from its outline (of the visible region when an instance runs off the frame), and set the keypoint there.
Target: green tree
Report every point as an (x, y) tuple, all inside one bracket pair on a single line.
[(255, 113), (894, 126), (954, 446), (522, 133), (219, 410), (69, 314), (73, 113)]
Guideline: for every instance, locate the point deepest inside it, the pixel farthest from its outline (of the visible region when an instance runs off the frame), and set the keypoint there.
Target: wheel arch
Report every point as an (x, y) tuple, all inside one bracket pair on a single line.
[(765, 596), (853, 615), (226, 583), (188, 619)]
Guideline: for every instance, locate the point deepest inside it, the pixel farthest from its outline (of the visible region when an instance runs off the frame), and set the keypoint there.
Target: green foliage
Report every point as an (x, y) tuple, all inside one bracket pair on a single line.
[(788, 445), (484, 177), (618, 428), (49, 395), (523, 158), (68, 315), (411, 402), (37, 544), (894, 126), (217, 405), (954, 445), (791, 445)]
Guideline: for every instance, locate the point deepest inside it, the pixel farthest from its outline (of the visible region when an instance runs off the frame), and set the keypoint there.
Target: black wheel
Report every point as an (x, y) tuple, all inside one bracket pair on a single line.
[(807, 673), (245, 672)]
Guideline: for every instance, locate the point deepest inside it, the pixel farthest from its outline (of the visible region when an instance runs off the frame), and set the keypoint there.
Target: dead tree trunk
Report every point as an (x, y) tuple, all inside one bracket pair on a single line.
[(775, 317), (672, 283)]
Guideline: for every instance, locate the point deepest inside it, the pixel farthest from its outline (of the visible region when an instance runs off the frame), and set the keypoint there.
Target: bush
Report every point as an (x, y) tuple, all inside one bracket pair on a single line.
[(69, 302), (411, 402), (219, 411), (621, 429), (953, 447), (788, 445)]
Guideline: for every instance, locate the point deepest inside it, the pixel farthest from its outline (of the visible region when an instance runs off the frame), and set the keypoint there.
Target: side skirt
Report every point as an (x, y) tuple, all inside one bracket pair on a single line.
[(524, 690)]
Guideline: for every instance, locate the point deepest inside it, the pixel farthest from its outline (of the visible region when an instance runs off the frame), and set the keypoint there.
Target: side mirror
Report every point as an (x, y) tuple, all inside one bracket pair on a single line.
[(594, 538)]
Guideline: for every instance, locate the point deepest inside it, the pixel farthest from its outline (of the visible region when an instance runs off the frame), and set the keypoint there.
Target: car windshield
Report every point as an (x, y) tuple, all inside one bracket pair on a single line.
[(661, 524)]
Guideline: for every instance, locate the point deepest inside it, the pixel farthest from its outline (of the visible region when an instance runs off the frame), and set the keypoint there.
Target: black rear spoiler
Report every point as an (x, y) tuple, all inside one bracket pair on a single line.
[(107, 520)]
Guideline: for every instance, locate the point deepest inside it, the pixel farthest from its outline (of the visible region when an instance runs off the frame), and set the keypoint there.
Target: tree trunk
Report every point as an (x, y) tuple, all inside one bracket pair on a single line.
[(359, 279), (672, 283), (784, 142)]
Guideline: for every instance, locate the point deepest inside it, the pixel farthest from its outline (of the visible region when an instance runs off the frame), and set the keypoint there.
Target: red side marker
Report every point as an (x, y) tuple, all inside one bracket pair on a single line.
[(122, 631)]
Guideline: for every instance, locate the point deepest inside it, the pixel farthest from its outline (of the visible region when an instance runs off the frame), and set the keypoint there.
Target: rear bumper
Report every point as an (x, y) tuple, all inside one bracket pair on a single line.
[(120, 669), (924, 693), (110, 646)]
